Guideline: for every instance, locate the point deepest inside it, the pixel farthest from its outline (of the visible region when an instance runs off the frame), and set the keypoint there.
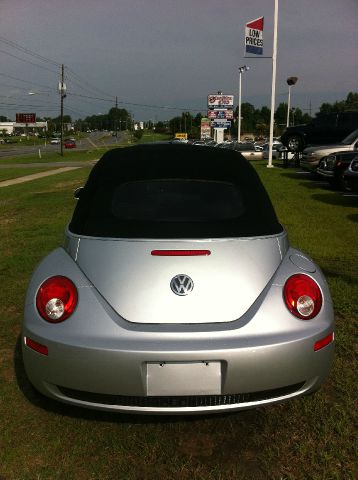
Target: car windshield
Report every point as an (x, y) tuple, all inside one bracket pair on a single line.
[(351, 138)]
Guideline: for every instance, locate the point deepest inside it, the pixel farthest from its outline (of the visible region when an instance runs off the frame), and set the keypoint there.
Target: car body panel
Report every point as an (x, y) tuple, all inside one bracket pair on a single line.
[(131, 279)]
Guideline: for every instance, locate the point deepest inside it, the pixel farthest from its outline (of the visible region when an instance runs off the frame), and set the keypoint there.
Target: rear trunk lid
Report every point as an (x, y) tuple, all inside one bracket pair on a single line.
[(139, 286)]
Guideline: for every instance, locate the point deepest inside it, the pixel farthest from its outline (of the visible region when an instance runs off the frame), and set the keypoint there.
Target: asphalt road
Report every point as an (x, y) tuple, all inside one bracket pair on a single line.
[(95, 139)]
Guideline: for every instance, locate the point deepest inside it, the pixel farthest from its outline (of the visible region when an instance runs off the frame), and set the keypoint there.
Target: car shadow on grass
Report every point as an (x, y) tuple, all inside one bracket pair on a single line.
[(353, 217), (338, 198), (41, 401)]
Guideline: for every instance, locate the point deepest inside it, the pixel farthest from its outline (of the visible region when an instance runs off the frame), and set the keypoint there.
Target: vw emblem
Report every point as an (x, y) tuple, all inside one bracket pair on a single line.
[(181, 285)]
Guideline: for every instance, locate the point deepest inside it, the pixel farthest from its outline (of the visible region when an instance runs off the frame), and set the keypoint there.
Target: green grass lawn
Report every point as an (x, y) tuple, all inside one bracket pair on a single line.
[(309, 438)]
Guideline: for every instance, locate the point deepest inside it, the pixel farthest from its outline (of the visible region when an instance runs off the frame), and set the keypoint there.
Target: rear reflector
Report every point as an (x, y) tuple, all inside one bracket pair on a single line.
[(323, 342), (38, 347), (180, 253)]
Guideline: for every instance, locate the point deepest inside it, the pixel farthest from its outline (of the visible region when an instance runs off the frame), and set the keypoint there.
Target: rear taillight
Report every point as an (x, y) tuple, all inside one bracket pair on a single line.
[(56, 299), (302, 296)]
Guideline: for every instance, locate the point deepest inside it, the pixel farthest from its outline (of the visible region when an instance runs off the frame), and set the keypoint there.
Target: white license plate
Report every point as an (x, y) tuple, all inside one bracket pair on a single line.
[(190, 378)]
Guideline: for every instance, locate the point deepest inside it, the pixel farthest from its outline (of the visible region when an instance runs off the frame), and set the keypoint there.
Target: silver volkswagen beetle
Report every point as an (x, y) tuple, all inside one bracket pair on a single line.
[(176, 292)]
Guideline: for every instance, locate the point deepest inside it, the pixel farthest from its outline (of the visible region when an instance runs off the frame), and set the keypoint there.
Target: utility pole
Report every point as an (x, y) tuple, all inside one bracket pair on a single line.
[(115, 118), (62, 92)]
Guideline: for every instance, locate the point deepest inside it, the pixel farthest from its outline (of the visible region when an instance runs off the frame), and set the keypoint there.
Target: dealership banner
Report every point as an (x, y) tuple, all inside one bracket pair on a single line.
[(254, 42), (220, 101)]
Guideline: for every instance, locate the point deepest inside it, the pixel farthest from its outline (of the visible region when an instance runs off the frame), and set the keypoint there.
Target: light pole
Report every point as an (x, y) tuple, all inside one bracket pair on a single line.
[(241, 70), (290, 82)]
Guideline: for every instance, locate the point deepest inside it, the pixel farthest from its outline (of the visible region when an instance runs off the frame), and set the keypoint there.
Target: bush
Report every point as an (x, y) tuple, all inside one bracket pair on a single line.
[(138, 134)]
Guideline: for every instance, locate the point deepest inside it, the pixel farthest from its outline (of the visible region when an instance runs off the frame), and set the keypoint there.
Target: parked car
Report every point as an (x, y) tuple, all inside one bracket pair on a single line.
[(176, 291), (351, 175), (325, 129), (55, 141), (277, 151), (333, 168), (246, 149), (179, 140), (69, 143), (312, 155)]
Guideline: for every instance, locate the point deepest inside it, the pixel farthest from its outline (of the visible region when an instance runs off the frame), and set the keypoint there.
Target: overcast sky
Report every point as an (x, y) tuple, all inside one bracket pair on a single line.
[(162, 56)]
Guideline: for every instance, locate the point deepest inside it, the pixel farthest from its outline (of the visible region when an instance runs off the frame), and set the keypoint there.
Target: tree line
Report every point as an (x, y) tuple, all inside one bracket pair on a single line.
[(254, 120)]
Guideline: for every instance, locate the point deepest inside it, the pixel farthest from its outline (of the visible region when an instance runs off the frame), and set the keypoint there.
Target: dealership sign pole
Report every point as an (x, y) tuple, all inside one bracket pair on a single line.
[(254, 45), (273, 85), (220, 111)]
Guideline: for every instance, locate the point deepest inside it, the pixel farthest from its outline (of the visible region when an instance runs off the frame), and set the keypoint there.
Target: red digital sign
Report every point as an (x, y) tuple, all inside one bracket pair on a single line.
[(26, 118)]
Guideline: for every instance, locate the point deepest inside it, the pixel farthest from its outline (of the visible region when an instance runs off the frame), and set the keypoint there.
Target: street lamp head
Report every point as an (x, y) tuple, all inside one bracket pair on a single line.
[(244, 69), (292, 81)]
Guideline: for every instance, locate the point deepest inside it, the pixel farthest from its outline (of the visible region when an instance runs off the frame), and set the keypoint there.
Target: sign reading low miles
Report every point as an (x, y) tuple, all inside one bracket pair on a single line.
[(254, 42)]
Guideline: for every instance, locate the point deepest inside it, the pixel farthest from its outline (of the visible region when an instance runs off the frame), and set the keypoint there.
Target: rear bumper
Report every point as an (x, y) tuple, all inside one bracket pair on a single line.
[(97, 359), (120, 379)]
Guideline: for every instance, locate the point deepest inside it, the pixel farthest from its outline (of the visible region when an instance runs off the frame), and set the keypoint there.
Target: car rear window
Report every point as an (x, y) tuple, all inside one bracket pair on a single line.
[(177, 200), (175, 191)]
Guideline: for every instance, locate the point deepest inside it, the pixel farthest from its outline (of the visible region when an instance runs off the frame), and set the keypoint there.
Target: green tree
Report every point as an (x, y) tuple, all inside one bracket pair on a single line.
[(160, 127), (138, 134), (281, 115), (352, 101), (119, 119)]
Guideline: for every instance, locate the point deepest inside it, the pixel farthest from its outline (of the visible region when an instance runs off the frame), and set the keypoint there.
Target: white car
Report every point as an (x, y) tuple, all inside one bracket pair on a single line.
[(277, 151), (55, 141)]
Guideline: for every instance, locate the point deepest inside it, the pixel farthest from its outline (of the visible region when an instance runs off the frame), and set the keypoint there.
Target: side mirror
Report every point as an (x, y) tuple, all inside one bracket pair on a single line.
[(78, 192)]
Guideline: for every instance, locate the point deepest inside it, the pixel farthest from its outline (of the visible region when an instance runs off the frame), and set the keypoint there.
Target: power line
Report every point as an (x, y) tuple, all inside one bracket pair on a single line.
[(28, 51), (91, 87), (27, 61), (26, 81)]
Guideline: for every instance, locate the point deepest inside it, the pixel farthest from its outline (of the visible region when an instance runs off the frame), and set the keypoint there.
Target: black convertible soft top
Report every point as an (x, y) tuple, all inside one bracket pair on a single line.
[(173, 191)]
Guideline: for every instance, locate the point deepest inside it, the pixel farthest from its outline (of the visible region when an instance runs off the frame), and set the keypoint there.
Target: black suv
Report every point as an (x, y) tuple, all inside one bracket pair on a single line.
[(325, 129)]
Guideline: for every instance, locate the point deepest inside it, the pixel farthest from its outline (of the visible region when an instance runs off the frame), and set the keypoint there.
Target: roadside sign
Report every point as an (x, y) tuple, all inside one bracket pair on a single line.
[(254, 36), (205, 129), (221, 114), (221, 123), (182, 135), (26, 118), (220, 101)]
